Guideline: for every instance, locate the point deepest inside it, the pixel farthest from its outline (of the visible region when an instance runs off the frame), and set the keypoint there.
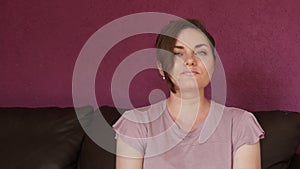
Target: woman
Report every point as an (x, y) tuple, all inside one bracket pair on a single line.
[(187, 130)]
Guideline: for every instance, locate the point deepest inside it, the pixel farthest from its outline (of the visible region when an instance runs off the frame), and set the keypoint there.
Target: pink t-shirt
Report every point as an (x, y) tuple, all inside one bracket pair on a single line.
[(212, 145)]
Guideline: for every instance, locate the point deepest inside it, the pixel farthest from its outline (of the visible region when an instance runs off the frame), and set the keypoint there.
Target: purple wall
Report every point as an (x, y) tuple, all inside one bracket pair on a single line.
[(257, 41)]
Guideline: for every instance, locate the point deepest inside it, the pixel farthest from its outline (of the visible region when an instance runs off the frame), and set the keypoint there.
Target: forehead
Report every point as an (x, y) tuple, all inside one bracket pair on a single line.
[(191, 37)]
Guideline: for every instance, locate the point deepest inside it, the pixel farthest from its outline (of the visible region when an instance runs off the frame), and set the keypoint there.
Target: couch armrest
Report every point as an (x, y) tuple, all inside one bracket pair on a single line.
[(295, 164)]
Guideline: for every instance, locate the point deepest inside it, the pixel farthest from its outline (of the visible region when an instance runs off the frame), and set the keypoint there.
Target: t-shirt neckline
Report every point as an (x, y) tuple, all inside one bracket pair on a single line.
[(206, 128)]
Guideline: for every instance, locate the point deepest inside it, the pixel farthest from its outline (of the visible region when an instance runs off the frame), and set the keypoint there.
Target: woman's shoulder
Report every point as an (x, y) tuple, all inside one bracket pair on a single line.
[(158, 106), (137, 122), (235, 113), (241, 118), (145, 114)]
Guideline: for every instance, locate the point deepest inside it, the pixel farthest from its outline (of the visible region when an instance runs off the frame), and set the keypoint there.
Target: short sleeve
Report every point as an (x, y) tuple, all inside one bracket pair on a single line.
[(246, 130), (131, 132)]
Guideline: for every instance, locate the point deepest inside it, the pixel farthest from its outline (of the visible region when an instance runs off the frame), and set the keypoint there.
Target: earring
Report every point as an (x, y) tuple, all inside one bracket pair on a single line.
[(163, 77)]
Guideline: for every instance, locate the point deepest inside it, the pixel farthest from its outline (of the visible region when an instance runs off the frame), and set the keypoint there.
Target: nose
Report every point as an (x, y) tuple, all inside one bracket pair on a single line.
[(190, 59)]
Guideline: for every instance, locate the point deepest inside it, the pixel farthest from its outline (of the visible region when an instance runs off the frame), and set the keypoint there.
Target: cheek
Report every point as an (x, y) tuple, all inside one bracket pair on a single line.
[(207, 65), (177, 66)]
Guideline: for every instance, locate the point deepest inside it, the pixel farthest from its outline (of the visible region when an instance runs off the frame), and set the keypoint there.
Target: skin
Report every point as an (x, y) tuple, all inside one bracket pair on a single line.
[(191, 73), (192, 69)]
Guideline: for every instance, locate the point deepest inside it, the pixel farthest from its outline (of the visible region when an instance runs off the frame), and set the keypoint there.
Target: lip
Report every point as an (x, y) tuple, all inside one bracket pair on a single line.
[(190, 73)]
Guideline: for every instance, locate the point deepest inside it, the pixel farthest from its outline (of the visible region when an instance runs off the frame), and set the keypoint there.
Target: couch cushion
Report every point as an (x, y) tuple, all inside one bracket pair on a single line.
[(93, 156), (295, 164), (282, 137), (48, 138)]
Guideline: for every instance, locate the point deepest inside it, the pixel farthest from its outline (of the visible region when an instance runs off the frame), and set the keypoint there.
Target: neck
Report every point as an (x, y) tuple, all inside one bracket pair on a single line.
[(188, 110), (175, 103), (187, 98)]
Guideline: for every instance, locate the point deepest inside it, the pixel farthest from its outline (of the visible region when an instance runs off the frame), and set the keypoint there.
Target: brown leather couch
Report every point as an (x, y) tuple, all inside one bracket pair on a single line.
[(52, 138)]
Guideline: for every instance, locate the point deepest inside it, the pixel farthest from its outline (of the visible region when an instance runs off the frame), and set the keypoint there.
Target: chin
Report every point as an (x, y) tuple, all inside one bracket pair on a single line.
[(189, 88), (191, 85)]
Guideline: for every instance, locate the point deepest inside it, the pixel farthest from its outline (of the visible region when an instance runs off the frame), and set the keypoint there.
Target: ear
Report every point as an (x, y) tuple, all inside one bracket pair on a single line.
[(160, 69)]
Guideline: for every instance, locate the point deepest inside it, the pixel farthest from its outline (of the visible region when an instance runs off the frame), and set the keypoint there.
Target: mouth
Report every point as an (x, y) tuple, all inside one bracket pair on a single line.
[(190, 73)]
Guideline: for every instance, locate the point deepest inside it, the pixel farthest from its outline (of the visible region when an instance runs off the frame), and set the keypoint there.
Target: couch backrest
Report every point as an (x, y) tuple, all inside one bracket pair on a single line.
[(282, 136), (53, 138), (40, 138)]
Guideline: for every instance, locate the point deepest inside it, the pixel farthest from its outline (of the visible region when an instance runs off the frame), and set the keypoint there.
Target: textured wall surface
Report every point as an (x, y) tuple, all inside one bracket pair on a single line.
[(258, 43)]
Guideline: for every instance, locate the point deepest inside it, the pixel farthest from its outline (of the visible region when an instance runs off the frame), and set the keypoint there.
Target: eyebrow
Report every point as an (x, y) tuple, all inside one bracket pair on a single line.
[(179, 47), (200, 45), (197, 46)]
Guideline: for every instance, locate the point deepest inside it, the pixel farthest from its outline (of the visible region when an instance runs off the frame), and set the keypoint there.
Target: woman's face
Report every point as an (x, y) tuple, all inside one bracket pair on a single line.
[(193, 60)]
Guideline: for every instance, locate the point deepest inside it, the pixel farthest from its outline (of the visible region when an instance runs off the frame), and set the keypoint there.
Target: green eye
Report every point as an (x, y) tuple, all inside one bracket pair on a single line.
[(200, 53), (177, 54)]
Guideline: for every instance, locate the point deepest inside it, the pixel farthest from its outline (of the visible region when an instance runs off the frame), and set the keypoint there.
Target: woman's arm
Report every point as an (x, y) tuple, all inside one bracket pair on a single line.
[(247, 157), (128, 157)]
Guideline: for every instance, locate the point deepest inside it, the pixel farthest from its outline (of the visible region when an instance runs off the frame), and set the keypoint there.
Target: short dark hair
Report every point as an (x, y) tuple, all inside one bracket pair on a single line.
[(166, 40)]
